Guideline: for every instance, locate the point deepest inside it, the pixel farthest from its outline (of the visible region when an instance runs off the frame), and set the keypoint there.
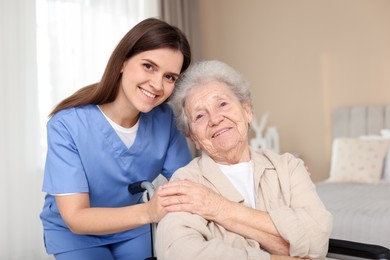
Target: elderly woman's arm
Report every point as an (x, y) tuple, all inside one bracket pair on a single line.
[(252, 223), (184, 236), (198, 199), (304, 222), (300, 229)]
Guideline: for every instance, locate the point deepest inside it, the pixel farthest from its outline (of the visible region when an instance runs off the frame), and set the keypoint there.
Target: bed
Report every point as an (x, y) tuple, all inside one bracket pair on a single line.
[(357, 192)]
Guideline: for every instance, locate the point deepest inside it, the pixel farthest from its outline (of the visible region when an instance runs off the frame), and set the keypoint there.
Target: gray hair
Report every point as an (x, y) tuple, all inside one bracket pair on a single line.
[(199, 74)]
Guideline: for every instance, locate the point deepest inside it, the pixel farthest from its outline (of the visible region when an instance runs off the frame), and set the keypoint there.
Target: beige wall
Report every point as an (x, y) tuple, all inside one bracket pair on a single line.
[(303, 59)]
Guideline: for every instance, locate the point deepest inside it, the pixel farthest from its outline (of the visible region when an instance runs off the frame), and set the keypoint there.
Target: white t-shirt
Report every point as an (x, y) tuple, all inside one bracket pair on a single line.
[(241, 176), (127, 135)]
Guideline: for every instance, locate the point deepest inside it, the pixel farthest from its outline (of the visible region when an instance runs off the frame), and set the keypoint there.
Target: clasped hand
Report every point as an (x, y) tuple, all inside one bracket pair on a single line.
[(187, 196)]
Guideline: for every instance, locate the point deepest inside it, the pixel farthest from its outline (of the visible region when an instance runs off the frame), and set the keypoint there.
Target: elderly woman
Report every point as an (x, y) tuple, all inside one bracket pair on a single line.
[(235, 203)]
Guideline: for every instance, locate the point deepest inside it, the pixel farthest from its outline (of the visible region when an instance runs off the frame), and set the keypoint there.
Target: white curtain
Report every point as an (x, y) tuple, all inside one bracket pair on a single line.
[(20, 182), (41, 62), (185, 15), (75, 40)]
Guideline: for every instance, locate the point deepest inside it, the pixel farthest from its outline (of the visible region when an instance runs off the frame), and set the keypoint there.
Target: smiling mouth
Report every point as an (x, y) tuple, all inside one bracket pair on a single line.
[(220, 132), (147, 93)]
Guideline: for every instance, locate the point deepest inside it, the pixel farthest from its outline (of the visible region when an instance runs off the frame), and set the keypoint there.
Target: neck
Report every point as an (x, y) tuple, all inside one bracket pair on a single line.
[(234, 156), (121, 116)]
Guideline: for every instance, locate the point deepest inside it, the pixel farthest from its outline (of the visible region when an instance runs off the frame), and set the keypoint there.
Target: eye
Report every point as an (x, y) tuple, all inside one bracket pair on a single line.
[(148, 66), (223, 103), (198, 117), (171, 78)]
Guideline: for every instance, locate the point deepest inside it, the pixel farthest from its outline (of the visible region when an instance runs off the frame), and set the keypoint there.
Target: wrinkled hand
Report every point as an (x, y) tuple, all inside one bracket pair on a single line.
[(155, 210), (188, 196)]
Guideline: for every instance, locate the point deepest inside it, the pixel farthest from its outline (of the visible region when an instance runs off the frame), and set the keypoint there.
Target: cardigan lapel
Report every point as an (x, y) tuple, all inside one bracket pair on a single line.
[(221, 183)]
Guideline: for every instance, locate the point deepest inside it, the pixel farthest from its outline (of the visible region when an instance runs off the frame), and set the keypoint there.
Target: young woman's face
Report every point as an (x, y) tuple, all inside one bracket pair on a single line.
[(218, 121), (148, 78)]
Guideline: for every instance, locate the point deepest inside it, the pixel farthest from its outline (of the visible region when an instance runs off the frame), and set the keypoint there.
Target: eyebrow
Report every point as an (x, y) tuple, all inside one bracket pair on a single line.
[(215, 99), (155, 64)]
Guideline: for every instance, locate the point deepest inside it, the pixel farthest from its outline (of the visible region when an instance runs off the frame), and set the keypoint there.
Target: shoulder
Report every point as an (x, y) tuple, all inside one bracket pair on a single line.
[(191, 171), (74, 119), (73, 114), (277, 159), (162, 118), (161, 114), (284, 165), (163, 109)]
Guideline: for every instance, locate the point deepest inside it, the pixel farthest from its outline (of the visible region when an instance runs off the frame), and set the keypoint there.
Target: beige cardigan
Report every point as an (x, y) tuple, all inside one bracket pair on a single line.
[(283, 188)]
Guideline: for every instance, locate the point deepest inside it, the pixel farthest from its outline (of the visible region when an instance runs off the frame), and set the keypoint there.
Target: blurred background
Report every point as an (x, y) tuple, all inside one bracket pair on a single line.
[(303, 59)]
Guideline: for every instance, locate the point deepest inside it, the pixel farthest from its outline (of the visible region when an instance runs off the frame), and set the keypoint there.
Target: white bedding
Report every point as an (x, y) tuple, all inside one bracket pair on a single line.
[(361, 212)]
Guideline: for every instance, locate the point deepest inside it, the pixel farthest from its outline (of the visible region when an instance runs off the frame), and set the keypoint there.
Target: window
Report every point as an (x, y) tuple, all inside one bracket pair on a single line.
[(74, 41)]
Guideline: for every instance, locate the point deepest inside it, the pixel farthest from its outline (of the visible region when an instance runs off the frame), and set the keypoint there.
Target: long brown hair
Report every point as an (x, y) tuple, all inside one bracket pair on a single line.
[(147, 35)]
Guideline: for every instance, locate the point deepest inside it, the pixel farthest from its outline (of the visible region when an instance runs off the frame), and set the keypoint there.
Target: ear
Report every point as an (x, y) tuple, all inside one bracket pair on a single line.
[(194, 140), (248, 111), (124, 65)]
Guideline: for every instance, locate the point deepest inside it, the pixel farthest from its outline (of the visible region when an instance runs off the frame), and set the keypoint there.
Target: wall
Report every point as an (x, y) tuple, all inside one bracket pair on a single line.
[(303, 59)]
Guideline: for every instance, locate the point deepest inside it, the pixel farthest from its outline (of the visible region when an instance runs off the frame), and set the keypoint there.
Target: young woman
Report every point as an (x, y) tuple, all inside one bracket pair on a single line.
[(107, 136)]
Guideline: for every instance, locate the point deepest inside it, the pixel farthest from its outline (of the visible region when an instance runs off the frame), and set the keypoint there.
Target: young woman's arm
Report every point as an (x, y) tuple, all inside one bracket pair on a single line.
[(82, 219)]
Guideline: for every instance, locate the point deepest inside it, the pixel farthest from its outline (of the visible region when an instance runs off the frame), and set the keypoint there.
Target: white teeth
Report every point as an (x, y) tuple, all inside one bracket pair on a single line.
[(218, 133), (147, 93)]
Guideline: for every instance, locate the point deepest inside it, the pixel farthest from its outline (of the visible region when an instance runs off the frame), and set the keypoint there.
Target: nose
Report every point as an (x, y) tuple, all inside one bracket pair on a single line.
[(156, 82), (215, 118)]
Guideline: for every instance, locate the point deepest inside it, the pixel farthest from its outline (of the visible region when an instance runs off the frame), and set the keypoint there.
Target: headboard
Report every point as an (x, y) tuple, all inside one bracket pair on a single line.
[(360, 120)]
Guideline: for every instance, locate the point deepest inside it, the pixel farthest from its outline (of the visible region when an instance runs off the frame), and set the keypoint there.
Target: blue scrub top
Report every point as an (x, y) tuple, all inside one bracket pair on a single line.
[(86, 155)]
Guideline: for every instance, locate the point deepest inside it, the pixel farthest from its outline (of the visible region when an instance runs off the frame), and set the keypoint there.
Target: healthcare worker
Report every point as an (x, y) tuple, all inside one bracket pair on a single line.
[(107, 136)]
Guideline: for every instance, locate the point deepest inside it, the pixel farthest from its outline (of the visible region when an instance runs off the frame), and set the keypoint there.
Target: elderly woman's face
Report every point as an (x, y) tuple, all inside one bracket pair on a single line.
[(218, 121)]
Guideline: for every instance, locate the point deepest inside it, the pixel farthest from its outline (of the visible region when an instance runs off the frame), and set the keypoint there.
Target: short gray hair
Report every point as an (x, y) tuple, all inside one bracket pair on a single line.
[(202, 73)]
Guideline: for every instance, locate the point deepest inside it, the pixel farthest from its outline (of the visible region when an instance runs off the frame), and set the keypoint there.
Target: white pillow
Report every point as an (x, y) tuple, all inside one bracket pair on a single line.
[(357, 160), (385, 133)]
